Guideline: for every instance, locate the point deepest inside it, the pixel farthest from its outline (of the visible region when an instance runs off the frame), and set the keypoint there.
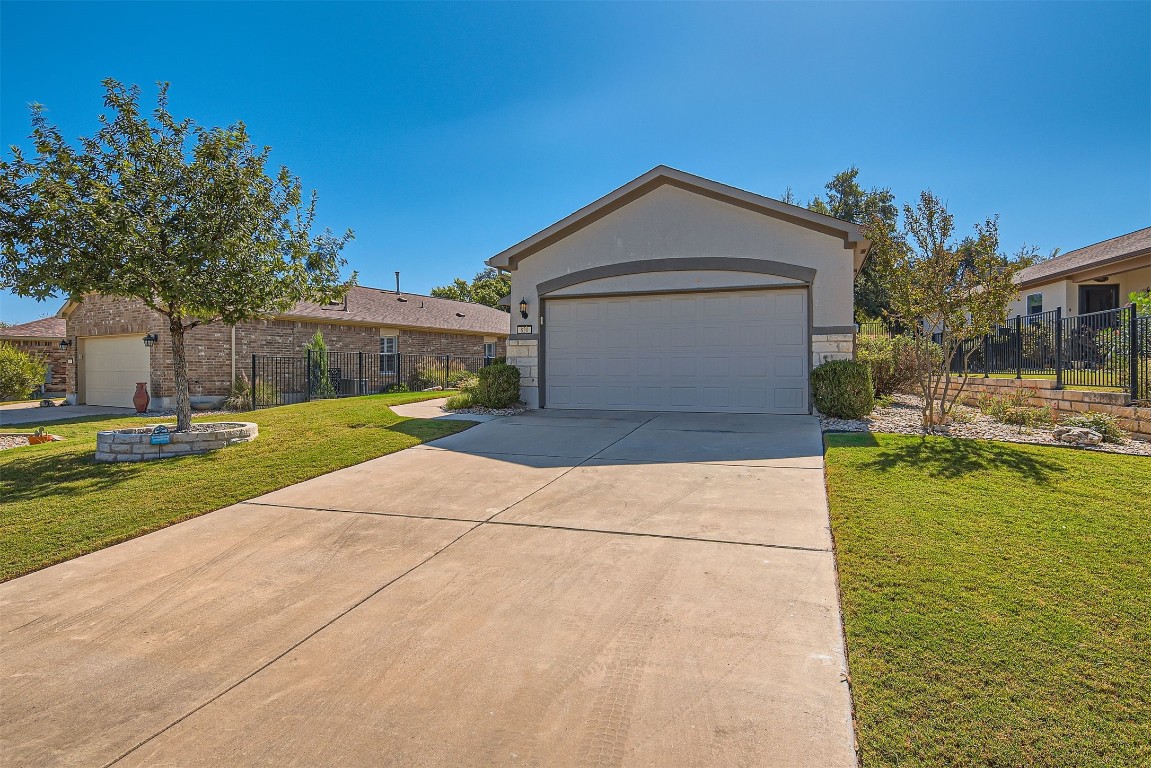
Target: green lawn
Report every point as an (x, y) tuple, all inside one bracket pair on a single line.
[(997, 601), (57, 503)]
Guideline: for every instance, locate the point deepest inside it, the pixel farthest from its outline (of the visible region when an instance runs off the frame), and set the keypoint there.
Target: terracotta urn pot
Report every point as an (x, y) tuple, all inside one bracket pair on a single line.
[(38, 439), (141, 399)]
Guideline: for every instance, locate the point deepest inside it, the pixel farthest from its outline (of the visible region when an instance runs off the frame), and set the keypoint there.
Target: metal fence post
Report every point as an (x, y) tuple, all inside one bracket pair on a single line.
[(308, 377), (1133, 351), (360, 374), (253, 381), (1059, 347), (1019, 346), (447, 369), (986, 355)]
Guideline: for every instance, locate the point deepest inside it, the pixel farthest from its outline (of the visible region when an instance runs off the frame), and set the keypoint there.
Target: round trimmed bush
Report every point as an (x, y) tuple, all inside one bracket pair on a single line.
[(497, 386), (842, 389)]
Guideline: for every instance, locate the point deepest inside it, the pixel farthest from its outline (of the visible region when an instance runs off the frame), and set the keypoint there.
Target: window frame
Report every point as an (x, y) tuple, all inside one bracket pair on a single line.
[(1027, 304), (494, 348), (388, 359)]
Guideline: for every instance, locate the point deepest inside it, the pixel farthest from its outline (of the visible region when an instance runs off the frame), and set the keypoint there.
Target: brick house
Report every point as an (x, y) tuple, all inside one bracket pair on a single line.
[(42, 338), (109, 355)]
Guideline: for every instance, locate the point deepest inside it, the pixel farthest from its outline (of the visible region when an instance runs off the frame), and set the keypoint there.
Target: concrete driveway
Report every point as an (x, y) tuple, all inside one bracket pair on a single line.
[(584, 589), (16, 414)]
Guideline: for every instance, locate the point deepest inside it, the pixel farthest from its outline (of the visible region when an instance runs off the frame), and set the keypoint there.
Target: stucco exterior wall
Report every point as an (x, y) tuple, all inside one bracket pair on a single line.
[(670, 222), (1065, 293)]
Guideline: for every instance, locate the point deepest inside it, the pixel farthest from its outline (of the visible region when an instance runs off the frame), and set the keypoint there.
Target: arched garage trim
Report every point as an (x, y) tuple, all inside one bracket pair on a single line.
[(702, 263)]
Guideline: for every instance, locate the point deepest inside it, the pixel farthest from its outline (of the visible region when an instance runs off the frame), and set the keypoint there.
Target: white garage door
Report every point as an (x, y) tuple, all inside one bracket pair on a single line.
[(740, 352), (112, 366)]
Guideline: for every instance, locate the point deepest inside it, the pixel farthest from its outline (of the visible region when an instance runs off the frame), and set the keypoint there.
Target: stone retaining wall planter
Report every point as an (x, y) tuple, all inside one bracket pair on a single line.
[(134, 444)]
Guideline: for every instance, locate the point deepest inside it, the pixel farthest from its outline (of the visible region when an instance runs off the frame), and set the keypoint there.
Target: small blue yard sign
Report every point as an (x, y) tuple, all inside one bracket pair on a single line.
[(160, 435)]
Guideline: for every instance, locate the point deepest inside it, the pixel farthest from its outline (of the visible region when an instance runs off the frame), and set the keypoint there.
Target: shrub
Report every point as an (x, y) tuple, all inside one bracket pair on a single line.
[(240, 395), (843, 389), (462, 400), (1016, 409), (1103, 423), (497, 386), (891, 361), (20, 373), (321, 379), (456, 378)]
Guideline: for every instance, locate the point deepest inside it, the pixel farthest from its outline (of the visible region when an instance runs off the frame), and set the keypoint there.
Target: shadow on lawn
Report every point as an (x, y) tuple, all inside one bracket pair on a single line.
[(949, 458), (49, 473)]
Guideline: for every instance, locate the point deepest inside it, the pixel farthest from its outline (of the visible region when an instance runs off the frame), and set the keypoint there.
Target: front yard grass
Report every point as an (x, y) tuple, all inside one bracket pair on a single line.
[(997, 601), (57, 503)]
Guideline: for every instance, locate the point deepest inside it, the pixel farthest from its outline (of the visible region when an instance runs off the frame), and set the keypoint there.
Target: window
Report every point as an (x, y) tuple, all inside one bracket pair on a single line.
[(489, 349), (1034, 303), (389, 349)]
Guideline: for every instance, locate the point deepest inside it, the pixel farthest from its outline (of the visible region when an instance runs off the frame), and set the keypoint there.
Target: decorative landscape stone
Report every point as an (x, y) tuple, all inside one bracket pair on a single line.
[(137, 443), (1077, 436)]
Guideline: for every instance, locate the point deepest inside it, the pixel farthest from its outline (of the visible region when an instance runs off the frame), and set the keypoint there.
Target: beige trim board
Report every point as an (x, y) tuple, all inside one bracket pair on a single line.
[(694, 264)]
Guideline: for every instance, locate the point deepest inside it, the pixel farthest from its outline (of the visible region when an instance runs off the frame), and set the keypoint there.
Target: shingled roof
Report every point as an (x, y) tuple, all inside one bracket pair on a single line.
[(1127, 246), (376, 306), (44, 328)]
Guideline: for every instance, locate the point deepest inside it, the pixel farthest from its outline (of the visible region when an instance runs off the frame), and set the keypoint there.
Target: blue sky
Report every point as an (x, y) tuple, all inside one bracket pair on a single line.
[(444, 133)]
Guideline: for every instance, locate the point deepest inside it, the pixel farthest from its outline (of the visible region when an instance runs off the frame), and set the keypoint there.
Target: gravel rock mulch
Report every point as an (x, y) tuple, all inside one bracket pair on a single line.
[(12, 441), (477, 410), (904, 417)]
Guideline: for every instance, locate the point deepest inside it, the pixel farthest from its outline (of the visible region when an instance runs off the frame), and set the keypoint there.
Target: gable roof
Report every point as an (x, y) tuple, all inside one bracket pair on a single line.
[(1116, 249), (851, 233), (375, 306), (46, 329)]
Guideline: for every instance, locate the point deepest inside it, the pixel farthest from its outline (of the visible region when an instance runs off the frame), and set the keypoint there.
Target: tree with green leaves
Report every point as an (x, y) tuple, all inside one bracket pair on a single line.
[(487, 288), (848, 201), (946, 293), (180, 217)]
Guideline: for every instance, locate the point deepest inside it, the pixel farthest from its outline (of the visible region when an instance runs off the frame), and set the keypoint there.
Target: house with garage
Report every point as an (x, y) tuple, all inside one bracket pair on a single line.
[(677, 293), (1094, 278), (115, 343), (41, 338)]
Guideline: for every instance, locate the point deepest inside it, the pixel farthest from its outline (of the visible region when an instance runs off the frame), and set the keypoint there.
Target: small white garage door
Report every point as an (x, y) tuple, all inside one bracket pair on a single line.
[(739, 352), (112, 366)]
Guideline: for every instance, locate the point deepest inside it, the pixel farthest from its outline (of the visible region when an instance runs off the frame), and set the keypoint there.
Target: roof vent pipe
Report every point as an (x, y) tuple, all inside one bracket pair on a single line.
[(397, 282)]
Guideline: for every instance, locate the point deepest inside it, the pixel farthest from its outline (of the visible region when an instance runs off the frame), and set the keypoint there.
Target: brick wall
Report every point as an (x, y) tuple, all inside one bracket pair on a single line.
[(50, 353), (1136, 420), (209, 352), (433, 343)]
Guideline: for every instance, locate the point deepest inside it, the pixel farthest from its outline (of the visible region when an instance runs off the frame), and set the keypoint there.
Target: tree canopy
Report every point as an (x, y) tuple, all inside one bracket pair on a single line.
[(487, 288), (180, 217), (849, 201)]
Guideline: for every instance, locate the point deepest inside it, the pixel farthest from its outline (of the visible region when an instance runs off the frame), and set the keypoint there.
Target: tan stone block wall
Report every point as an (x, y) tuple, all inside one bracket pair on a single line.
[(1135, 419), (831, 346)]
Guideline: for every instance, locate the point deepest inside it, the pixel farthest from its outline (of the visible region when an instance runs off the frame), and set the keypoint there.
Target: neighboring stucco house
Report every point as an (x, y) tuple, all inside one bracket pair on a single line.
[(1090, 279), (677, 293), (110, 357), (42, 338)]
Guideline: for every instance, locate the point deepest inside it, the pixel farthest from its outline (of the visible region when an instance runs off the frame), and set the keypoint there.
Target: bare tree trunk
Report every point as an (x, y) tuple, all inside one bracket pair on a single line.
[(180, 369)]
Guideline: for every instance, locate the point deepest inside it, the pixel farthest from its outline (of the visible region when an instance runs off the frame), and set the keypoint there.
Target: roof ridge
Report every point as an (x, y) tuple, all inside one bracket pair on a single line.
[(425, 296), (1101, 242)]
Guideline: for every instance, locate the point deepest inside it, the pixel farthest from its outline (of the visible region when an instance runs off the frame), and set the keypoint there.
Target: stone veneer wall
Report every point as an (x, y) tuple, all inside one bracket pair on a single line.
[(524, 354), (1066, 402), (831, 346)]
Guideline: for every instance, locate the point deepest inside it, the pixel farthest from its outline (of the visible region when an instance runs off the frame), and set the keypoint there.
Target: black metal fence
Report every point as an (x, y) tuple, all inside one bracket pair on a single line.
[(279, 380), (1110, 349)]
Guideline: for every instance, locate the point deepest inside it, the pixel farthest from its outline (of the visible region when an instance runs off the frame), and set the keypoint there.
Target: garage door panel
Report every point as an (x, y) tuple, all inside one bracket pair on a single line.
[(743, 351), (112, 365)]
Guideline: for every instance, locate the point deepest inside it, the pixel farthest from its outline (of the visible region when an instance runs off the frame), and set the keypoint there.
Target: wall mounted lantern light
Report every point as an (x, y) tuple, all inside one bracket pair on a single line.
[(150, 339), (65, 343), (524, 308)]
